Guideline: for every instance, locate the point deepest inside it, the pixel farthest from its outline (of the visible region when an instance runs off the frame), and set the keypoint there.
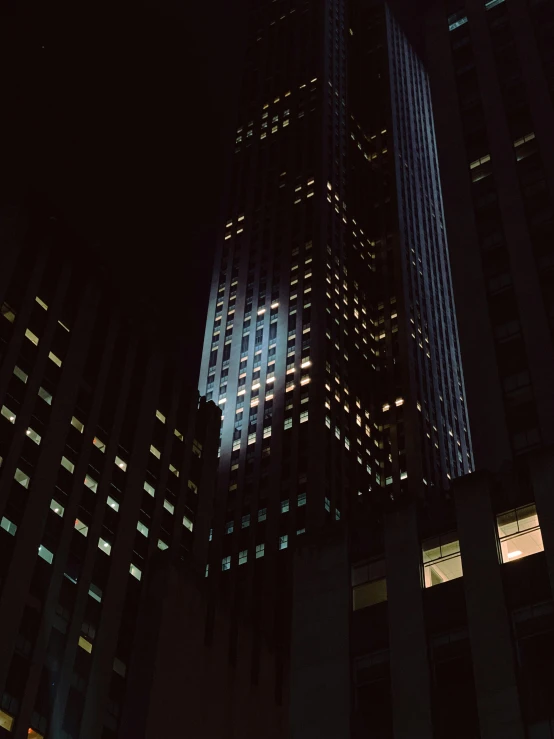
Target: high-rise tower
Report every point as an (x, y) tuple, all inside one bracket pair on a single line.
[(331, 341)]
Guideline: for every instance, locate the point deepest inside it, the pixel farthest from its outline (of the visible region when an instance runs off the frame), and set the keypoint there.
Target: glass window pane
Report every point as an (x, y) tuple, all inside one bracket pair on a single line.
[(507, 524), (370, 594)]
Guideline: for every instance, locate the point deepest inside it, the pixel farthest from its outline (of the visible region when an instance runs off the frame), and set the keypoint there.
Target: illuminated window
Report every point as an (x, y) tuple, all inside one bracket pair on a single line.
[(99, 444), (480, 168), (41, 303), (33, 338), (32, 734), (141, 528), (442, 560), (77, 424), (95, 592), (192, 487), (283, 541), (57, 508), (8, 526), (226, 563), (8, 312), (243, 556), (179, 435), (22, 478), (262, 514), (135, 572), (85, 644), (121, 463), (104, 546), (45, 395), (301, 499), (187, 523), (113, 503), (260, 550), (519, 533), (160, 416), (174, 470), (91, 483), (10, 415), (154, 451), (169, 506), (288, 423), (197, 448), (18, 372), (149, 489), (32, 434), (81, 527), (162, 545), (245, 523), (55, 359), (46, 554), (369, 584), (6, 721)]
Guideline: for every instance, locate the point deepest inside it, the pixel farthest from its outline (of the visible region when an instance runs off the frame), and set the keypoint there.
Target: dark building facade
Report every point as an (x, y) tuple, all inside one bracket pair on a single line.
[(106, 460), (448, 627), (331, 342), (491, 67)]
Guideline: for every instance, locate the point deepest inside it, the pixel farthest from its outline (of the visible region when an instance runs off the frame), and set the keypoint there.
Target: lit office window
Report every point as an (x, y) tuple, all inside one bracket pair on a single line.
[(45, 395), (41, 303), (142, 528), (8, 312), (135, 572), (85, 644), (226, 563), (22, 478), (6, 721), (442, 560), (81, 527), (369, 584), (32, 434), (46, 554), (283, 541), (69, 466), (8, 526), (160, 416), (10, 415), (243, 556), (519, 533), (149, 489), (55, 359), (91, 483), (33, 338), (57, 507), (79, 425), (121, 463), (187, 523), (104, 546)]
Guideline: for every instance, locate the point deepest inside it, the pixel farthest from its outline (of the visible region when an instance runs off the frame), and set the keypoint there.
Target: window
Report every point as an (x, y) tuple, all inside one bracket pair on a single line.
[(169, 506), (226, 563), (149, 489), (113, 503), (187, 523), (284, 506), (154, 451), (32, 434), (33, 338), (162, 545), (6, 721), (57, 507), (160, 416), (197, 448), (85, 644), (245, 521), (32, 734), (442, 560), (519, 533), (91, 483), (121, 463), (41, 303), (105, 546), (8, 526), (22, 478), (55, 359), (480, 168), (81, 527), (369, 584), (18, 372), (77, 424), (135, 572), (99, 444), (260, 550), (301, 499), (243, 557), (192, 487), (69, 466), (45, 395), (95, 592), (456, 20), (288, 423), (283, 541), (174, 470), (46, 554), (229, 527), (303, 416), (8, 312), (141, 528), (179, 435), (10, 415), (262, 514)]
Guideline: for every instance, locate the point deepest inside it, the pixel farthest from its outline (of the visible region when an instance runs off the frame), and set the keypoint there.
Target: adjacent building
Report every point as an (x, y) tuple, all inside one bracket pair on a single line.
[(491, 67), (106, 460)]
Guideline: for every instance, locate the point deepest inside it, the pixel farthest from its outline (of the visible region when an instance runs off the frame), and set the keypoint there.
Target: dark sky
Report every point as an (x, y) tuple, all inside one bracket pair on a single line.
[(122, 114)]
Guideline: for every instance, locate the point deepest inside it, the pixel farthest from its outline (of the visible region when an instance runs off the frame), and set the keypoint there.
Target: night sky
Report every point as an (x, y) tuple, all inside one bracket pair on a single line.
[(122, 115)]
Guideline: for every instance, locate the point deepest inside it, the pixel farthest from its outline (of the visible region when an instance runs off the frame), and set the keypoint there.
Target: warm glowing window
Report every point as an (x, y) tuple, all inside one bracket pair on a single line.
[(6, 721), (519, 533), (442, 560)]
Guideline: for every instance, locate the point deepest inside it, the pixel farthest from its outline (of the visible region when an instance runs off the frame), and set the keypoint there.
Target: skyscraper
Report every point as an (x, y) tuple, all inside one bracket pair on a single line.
[(331, 342), (491, 69)]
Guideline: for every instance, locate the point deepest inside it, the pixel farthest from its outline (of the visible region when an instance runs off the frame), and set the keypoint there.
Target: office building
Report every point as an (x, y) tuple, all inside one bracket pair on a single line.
[(331, 343), (106, 460), (491, 68)]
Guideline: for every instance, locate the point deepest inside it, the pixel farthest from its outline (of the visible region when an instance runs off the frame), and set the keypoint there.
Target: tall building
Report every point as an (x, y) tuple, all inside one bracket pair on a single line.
[(107, 459), (491, 67), (331, 342)]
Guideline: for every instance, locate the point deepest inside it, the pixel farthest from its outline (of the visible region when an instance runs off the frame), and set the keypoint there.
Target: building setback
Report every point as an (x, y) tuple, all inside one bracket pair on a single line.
[(491, 68), (106, 459)]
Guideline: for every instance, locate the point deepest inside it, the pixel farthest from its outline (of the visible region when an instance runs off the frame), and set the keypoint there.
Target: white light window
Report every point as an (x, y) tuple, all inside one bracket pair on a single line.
[(149, 489), (174, 470), (55, 359), (154, 451), (160, 416), (18, 372), (8, 312), (369, 584), (91, 483), (32, 337), (142, 528), (288, 423), (121, 463), (303, 416), (260, 550), (10, 415), (187, 523), (301, 499), (79, 425), (285, 506), (169, 506), (69, 466), (85, 644), (41, 303), (113, 503), (262, 514), (81, 527), (197, 448), (243, 557), (8, 525), (104, 546), (57, 508), (245, 521), (46, 554), (32, 434), (135, 572), (45, 395), (519, 533), (21, 478), (283, 541), (226, 563), (229, 527), (99, 444), (64, 326), (95, 592), (442, 560), (179, 435), (193, 487), (162, 545)]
